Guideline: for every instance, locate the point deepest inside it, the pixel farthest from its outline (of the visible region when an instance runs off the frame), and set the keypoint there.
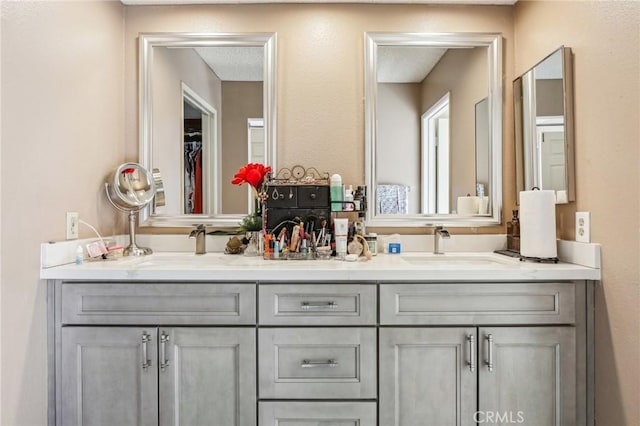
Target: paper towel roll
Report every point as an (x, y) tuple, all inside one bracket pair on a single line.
[(467, 205), (538, 224)]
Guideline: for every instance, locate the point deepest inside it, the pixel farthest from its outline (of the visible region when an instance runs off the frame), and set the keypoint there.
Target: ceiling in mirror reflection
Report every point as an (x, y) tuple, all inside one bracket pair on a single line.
[(406, 64), (234, 63)]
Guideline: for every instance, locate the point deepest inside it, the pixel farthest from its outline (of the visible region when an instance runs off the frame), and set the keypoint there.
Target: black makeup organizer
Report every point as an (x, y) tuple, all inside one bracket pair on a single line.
[(308, 203)]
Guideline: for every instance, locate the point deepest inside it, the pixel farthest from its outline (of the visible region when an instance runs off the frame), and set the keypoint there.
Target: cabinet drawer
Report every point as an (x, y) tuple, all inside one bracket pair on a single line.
[(508, 303), (308, 363), (146, 303), (317, 413), (318, 304)]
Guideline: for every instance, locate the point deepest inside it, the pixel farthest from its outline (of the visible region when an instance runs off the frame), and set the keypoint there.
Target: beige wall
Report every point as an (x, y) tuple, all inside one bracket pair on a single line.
[(549, 97), (62, 133), (605, 41), (240, 100), (398, 139), (320, 71)]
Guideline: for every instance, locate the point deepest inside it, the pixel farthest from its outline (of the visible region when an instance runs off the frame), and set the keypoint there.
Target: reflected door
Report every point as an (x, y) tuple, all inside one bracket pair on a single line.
[(552, 164)]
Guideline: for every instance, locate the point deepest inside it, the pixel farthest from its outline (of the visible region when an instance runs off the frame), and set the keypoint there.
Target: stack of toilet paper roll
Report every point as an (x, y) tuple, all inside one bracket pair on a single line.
[(473, 205), (467, 205), (538, 224)]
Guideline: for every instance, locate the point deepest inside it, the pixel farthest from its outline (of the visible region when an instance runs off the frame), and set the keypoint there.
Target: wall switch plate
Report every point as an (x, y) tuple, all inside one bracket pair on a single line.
[(583, 227), (72, 224)]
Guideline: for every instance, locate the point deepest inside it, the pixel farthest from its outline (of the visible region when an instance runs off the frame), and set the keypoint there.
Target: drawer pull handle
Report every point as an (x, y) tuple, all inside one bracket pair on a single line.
[(489, 361), (307, 363), (471, 340), (318, 305), (164, 362), (146, 362)]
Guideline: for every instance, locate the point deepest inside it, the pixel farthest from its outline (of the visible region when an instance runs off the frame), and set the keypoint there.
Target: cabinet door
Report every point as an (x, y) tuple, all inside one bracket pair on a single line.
[(109, 376), (207, 376), (428, 376), (528, 376)]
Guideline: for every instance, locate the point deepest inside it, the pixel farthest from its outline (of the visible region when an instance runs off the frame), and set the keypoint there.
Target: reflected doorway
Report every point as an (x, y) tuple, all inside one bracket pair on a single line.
[(435, 158), (551, 153), (199, 153)]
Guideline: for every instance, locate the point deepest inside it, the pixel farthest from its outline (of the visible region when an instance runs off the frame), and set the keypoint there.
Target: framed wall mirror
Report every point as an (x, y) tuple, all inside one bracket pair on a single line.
[(433, 117), (207, 107), (543, 111)]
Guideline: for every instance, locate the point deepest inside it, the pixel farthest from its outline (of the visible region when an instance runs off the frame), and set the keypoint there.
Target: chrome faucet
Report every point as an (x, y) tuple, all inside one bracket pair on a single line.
[(438, 234), (200, 233)]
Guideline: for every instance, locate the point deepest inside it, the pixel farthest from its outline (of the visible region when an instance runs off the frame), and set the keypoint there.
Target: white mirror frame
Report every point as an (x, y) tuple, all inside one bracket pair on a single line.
[(493, 42), (146, 44)]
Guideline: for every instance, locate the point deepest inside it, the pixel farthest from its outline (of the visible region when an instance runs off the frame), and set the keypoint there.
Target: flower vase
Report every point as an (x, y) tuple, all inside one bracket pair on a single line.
[(254, 246)]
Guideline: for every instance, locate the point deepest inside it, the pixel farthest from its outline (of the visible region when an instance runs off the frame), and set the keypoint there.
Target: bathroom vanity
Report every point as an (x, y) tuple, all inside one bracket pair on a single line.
[(175, 338)]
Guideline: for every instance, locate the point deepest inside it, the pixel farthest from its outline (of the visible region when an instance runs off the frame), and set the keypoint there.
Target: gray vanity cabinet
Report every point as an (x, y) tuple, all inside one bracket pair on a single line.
[(520, 359), (125, 355), (325, 353), (522, 375), (129, 375)]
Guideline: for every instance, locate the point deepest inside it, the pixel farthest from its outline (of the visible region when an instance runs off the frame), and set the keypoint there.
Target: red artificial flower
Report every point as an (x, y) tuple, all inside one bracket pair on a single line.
[(252, 173)]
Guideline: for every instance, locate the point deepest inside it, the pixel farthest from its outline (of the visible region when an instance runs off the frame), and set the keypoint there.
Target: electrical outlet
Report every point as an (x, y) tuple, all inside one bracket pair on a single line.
[(583, 227), (73, 222)]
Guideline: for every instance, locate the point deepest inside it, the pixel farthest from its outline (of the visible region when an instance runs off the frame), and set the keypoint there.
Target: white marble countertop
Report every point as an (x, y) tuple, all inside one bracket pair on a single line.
[(414, 266)]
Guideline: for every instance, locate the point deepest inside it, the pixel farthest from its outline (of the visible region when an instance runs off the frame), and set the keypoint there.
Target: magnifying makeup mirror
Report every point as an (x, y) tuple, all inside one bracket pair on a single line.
[(129, 189)]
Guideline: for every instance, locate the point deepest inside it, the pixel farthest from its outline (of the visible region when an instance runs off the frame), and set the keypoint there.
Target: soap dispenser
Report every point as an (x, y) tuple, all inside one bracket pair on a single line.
[(513, 232)]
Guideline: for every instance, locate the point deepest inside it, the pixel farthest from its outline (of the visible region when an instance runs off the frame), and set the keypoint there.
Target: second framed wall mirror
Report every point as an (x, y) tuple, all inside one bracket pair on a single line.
[(433, 128), (544, 135)]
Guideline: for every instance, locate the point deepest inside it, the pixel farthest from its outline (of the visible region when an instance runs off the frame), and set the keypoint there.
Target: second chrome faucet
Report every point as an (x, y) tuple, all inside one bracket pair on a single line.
[(439, 233)]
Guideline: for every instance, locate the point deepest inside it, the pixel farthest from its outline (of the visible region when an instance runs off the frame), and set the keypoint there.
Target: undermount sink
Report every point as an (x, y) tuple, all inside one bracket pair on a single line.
[(454, 259), (181, 259)]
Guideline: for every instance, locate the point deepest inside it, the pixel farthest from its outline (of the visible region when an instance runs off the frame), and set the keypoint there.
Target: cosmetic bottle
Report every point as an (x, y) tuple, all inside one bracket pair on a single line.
[(79, 255), (372, 243), (348, 205), (341, 231), (336, 192)]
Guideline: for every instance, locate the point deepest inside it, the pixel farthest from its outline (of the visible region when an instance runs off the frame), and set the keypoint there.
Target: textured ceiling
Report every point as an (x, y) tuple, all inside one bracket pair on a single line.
[(234, 63), (406, 64), (396, 64)]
